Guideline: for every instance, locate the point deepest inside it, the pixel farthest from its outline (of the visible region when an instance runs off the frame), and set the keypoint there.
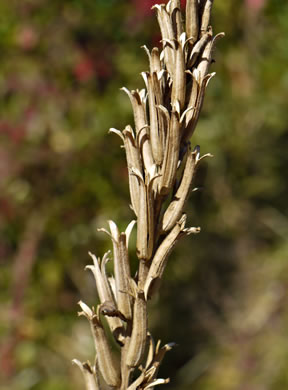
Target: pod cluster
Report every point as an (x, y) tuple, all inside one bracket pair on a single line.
[(161, 167)]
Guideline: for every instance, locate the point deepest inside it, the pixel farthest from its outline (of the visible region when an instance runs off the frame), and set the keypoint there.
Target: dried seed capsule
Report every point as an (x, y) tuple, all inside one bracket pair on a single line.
[(138, 339), (154, 131), (179, 77), (105, 294), (171, 155), (175, 209), (166, 27), (176, 18), (192, 20), (133, 161), (138, 105), (121, 270), (108, 365), (161, 256), (205, 21)]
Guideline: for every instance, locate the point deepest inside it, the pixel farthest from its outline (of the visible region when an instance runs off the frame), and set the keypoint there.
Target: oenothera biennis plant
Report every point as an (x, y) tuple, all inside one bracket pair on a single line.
[(161, 166)]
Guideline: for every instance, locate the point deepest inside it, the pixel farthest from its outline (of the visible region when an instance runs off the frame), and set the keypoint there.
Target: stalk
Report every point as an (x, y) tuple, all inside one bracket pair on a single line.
[(161, 165)]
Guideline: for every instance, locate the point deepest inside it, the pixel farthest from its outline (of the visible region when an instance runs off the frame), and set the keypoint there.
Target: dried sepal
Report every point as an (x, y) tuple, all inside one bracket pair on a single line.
[(191, 120), (142, 218), (151, 352), (205, 59), (145, 220), (179, 77), (138, 338), (121, 270), (171, 156), (205, 20), (156, 144), (136, 385), (159, 353), (105, 293), (138, 106), (160, 258), (167, 33), (176, 17), (156, 382), (162, 126), (89, 374), (192, 20), (154, 59), (133, 161), (108, 364), (148, 377), (175, 208), (197, 49)]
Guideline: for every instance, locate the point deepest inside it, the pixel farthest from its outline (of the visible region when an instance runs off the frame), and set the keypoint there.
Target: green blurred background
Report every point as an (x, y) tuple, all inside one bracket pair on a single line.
[(224, 298)]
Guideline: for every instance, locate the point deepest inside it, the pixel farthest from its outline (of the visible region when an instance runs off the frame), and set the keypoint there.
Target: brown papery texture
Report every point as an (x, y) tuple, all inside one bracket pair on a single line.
[(161, 167)]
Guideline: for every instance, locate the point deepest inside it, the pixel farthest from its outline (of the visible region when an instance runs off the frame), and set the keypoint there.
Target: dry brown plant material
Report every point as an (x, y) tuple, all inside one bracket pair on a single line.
[(161, 166)]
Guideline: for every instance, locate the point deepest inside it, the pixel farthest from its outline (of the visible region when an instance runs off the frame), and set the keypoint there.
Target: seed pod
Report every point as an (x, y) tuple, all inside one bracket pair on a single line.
[(137, 102), (205, 59), (171, 155), (133, 161), (175, 12), (121, 270), (138, 339), (192, 20), (193, 117), (205, 20), (197, 49), (154, 59), (175, 208), (105, 294), (160, 258), (167, 33), (154, 131), (179, 77), (142, 220), (108, 365)]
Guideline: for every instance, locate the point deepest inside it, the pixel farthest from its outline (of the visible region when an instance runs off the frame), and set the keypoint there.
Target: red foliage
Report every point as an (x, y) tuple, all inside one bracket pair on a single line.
[(143, 7), (255, 5), (84, 70), (27, 38)]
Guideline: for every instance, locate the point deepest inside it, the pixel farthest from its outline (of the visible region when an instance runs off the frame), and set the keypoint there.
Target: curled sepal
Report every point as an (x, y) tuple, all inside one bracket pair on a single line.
[(148, 378), (160, 258), (137, 100), (154, 59), (159, 353), (197, 49), (156, 382), (89, 374), (205, 60), (138, 338), (121, 269), (105, 293), (108, 365), (198, 98)]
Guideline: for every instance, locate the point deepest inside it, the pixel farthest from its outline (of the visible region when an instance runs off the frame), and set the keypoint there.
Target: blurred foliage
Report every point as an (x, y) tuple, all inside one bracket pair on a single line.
[(224, 299)]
